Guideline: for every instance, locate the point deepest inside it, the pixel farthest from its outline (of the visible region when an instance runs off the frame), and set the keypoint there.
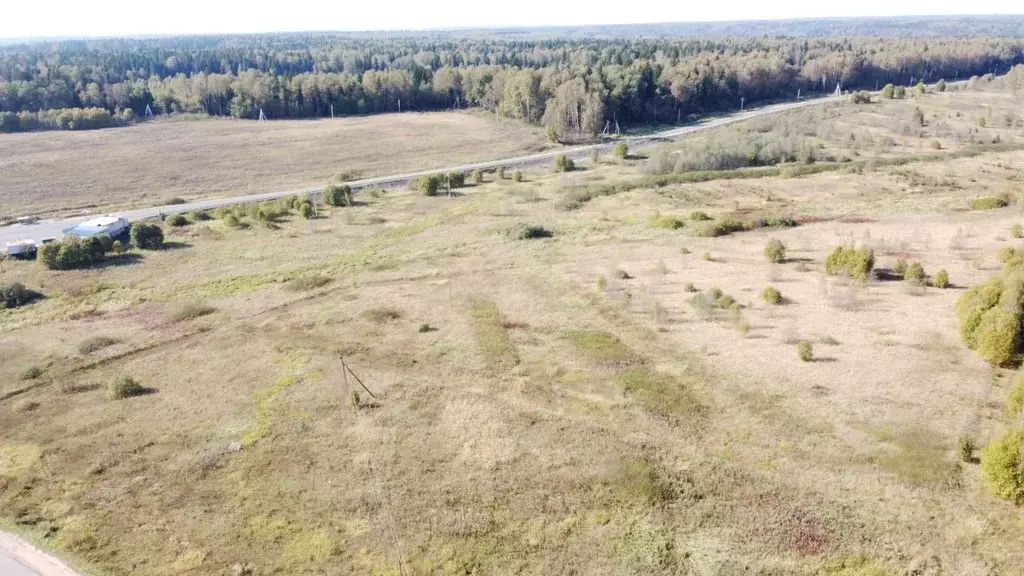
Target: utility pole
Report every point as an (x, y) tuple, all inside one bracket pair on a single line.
[(262, 118), (742, 100), (332, 110)]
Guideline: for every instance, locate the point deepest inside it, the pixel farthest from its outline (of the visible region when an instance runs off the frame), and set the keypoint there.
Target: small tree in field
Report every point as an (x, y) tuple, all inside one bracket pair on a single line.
[(478, 176), (564, 164), (621, 151), (940, 86), (888, 91), (500, 173), (775, 251)]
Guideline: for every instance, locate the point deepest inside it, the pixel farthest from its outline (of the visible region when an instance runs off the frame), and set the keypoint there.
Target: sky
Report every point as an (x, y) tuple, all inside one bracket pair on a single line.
[(125, 18)]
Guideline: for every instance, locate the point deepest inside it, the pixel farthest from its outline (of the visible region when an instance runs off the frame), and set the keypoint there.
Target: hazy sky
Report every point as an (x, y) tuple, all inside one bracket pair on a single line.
[(123, 17)]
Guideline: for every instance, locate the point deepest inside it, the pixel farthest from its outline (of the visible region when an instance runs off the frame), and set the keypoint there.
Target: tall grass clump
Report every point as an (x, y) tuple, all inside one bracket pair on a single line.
[(941, 279), (526, 232), (988, 203), (659, 220), (192, 310), (805, 351)]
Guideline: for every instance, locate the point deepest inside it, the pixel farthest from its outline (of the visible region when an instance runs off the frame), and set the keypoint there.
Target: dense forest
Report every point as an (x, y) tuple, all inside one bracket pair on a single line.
[(573, 86)]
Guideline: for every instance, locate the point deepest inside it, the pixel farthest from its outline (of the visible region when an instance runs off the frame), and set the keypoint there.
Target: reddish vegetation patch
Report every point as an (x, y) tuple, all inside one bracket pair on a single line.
[(784, 526), (813, 220), (857, 220)]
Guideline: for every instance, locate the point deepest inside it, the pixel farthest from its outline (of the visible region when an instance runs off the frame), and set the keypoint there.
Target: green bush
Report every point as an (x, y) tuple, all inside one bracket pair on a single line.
[(478, 176), (988, 203), (699, 216), (525, 232), (621, 151), (338, 195), (775, 251), (230, 221), (918, 117), (1002, 466), (429, 185), (805, 351), (517, 176), (1017, 231), (717, 228), (305, 210), (1015, 401), (602, 283), (853, 262), (899, 92), (15, 294), (124, 387), (900, 267), (175, 220), (147, 236), (424, 328), (659, 220), (564, 164), (860, 97), (725, 302), (500, 173), (772, 295), (941, 279), (914, 273), (118, 247), (71, 253), (455, 179), (887, 91), (940, 86), (997, 336), (973, 304)]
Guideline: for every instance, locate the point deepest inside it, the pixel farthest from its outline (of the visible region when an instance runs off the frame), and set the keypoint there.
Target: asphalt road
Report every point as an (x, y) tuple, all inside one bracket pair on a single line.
[(19, 558), (55, 228), (9, 567)]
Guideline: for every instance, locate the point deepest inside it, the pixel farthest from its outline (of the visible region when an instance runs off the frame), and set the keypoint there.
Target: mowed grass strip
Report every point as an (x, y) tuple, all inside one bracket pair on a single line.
[(492, 338)]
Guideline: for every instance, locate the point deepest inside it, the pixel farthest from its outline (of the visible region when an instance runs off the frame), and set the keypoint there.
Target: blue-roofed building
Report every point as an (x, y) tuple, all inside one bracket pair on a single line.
[(112, 226)]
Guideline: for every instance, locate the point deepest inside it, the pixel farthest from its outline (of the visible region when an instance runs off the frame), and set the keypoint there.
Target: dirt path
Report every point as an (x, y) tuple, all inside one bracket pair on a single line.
[(19, 558)]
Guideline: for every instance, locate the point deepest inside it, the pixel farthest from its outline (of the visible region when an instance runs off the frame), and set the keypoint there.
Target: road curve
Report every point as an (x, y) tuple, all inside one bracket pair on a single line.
[(19, 558), (55, 229)]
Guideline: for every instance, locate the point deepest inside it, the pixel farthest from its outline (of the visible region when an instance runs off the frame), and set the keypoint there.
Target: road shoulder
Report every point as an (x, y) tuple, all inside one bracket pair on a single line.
[(31, 557)]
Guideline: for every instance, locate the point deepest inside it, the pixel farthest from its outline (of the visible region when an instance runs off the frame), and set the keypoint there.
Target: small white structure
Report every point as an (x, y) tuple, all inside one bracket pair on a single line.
[(21, 249), (110, 225)]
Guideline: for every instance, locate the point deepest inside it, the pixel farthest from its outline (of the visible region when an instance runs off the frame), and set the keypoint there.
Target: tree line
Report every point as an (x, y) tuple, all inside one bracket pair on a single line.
[(574, 87)]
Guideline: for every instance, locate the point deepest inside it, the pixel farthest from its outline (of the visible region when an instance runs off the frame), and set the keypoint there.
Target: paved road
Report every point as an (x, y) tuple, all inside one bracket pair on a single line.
[(19, 558), (55, 229)]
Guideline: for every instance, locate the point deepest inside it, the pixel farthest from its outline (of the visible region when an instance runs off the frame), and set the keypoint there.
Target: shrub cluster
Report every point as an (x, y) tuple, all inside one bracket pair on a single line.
[(899, 268), (860, 97), (659, 220), (941, 279), (564, 164), (775, 251), (526, 232), (124, 387), (1015, 401), (431, 184), (699, 216), (147, 236), (338, 195), (15, 294), (477, 176), (990, 314), (988, 203), (175, 220), (914, 273), (73, 252), (621, 151), (853, 262), (1017, 231), (726, 226), (517, 176)]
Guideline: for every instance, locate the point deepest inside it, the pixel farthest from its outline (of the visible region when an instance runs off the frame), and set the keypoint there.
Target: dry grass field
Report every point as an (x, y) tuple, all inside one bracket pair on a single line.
[(55, 173), (559, 405)]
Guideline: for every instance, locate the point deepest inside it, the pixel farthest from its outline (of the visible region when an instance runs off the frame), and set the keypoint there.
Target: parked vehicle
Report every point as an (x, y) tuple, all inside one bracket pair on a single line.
[(24, 249)]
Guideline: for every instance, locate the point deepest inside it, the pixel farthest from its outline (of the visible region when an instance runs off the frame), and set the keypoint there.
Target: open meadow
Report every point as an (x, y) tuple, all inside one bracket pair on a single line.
[(578, 373), (150, 163)]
